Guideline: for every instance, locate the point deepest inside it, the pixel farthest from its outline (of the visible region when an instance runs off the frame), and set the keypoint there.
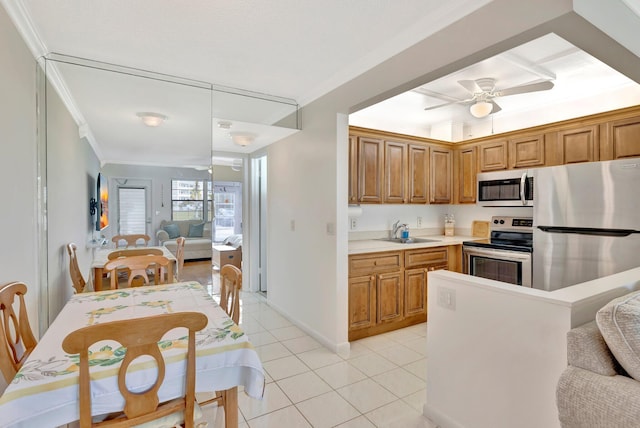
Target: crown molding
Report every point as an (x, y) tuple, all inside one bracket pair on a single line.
[(24, 24)]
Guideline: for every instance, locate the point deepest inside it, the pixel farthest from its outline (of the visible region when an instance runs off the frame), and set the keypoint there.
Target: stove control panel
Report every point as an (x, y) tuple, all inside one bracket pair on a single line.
[(511, 223)]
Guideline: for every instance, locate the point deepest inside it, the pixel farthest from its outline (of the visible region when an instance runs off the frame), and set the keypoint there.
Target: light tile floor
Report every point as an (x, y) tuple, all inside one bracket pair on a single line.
[(380, 384)]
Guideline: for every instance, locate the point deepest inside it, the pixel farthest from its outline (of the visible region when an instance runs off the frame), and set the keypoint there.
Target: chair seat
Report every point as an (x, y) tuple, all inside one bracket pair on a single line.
[(175, 419)]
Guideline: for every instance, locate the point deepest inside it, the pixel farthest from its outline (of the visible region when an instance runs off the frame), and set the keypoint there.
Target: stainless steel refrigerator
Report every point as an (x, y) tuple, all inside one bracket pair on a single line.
[(586, 222)]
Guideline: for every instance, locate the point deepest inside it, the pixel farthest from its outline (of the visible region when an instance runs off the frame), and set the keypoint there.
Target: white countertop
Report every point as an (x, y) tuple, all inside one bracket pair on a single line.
[(378, 245)]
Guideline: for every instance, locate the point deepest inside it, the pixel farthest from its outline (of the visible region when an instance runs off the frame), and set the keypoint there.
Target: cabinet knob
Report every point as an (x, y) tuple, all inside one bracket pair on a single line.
[(375, 263)]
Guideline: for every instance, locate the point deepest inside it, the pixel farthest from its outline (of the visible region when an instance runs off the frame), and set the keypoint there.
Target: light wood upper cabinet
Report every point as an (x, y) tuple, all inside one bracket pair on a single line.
[(418, 174), (440, 171), (525, 152), (493, 156), (370, 169), (466, 166), (395, 171), (353, 169), (577, 145), (622, 139)]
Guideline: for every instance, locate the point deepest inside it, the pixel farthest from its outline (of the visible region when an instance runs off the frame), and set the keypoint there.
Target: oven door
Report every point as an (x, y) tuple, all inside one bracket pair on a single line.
[(513, 267)]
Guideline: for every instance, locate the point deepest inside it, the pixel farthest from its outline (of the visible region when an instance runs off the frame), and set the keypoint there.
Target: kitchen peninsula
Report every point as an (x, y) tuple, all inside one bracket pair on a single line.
[(496, 351)]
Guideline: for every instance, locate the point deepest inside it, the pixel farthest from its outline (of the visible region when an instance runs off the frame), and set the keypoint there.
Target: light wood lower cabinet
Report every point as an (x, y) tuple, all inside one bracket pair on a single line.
[(388, 290)]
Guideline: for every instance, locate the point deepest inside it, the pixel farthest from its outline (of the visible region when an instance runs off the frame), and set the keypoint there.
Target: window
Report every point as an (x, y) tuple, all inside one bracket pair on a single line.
[(188, 199)]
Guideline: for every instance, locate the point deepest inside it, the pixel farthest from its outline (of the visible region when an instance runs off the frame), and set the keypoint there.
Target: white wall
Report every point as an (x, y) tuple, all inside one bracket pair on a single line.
[(381, 217), (495, 358), (302, 187), (72, 170), (18, 193)]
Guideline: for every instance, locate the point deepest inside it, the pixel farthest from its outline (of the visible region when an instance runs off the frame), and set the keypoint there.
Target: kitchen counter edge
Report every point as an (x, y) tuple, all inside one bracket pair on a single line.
[(365, 246)]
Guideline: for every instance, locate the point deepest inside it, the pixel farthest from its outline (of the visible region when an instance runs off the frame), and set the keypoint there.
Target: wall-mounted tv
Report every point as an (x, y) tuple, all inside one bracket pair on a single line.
[(102, 203)]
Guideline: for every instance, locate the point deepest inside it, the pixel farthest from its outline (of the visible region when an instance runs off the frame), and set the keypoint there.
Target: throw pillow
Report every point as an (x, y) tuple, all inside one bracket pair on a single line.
[(172, 230), (196, 230), (619, 323)]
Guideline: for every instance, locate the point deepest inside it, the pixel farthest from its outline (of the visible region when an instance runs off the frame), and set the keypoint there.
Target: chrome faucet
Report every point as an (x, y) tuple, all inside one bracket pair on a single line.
[(396, 227)]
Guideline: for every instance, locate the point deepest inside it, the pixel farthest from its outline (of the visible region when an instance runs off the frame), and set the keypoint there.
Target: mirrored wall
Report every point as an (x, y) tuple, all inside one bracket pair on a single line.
[(141, 132)]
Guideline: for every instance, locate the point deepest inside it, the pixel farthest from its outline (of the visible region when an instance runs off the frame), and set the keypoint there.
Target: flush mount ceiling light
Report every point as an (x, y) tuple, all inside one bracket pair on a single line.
[(242, 138), (152, 119), (481, 109)]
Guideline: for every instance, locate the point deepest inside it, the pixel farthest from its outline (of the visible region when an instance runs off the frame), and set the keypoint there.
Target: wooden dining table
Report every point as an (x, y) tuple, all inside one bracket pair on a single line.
[(101, 258), (44, 392)]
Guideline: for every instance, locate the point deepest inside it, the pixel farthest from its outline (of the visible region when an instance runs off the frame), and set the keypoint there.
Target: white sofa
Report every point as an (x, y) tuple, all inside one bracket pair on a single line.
[(195, 247)]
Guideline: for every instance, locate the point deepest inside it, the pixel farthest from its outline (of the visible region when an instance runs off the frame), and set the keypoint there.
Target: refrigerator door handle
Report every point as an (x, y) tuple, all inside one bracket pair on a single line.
[(589, 231), (523, 184)]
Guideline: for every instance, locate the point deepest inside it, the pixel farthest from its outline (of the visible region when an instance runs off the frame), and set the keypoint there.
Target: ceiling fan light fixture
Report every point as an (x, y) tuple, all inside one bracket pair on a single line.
[(152, 119), (481, 109)]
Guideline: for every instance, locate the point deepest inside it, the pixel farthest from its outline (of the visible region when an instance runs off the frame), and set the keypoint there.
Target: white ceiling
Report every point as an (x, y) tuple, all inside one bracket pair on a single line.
[(582, 85), (295, 49)]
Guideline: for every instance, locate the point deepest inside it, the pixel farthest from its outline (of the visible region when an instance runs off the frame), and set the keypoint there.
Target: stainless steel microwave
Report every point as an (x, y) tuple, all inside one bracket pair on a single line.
[(512, 188)]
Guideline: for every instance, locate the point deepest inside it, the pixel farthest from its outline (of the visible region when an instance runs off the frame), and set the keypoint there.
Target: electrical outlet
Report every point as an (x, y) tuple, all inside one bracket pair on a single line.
[(447, 298), (353, 223), (419, 223)]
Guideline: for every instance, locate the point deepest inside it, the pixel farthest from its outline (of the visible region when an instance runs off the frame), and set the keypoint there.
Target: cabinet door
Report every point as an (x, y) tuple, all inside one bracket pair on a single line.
[(362, 302), (418, 174), (493, 156), (526, 152), (395, 169), (623, 139), (370, 168), (390, 297), (440, 183), (415, 292), (353, 169), (467, 185), (577, 145)]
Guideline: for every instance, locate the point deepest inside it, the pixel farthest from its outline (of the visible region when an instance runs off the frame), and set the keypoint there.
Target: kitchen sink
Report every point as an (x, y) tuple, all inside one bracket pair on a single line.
[(409, 240)]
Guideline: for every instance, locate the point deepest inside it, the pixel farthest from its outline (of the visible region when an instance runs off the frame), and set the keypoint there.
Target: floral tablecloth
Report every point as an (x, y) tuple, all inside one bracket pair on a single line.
[(45, 391)]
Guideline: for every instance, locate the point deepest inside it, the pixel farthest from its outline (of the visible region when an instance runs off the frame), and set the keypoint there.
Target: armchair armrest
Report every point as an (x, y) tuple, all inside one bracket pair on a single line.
[(587, 349), (162, 236)]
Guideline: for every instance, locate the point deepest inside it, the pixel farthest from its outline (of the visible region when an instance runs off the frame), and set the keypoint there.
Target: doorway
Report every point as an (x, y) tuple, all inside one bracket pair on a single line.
[(132, 206)]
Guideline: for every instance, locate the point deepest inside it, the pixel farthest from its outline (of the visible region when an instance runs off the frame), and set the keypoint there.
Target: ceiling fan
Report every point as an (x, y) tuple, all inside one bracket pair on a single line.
[(483, 91)]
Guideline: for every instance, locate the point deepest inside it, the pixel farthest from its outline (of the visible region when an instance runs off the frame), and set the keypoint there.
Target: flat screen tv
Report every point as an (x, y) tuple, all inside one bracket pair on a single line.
[(102, 203)]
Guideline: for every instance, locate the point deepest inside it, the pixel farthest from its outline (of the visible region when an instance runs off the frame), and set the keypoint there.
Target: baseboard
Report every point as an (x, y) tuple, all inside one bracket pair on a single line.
[(341, 349), (440, 419)]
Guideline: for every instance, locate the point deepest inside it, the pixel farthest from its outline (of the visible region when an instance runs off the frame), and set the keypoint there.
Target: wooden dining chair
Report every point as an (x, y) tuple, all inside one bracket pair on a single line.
[(130, 240), (17, 339), (179, 257), (74, 271), (140, 337), (134, 252), (230, 285), (137, 266)]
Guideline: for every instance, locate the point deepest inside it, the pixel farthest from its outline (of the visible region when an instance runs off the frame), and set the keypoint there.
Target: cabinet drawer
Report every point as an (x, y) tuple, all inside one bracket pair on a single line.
[(426, 256), (374, 263)]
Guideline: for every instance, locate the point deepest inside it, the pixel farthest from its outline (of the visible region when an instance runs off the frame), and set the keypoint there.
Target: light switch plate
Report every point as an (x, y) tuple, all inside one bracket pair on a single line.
[(447, 298)]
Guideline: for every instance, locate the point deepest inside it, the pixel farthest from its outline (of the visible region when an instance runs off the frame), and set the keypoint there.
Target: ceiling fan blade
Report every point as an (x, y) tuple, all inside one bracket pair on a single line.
[(463, 102), (532, 87), (496, 108), (440, 105), (471, 86)]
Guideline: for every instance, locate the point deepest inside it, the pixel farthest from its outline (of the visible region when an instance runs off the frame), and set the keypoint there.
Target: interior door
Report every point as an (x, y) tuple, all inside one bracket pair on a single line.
[(132, 211)]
